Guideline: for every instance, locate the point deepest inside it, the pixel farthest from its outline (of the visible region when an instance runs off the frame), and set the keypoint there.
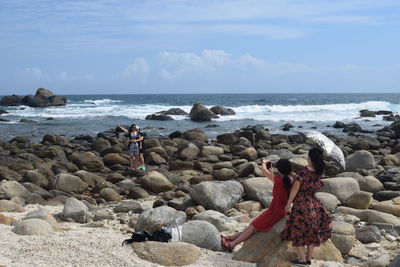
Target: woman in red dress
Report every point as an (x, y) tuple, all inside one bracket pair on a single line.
[(309, 223), (276, 211)]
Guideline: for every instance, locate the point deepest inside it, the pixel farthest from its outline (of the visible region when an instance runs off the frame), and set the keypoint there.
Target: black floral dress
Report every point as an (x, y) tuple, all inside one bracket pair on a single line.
[(309, 222)]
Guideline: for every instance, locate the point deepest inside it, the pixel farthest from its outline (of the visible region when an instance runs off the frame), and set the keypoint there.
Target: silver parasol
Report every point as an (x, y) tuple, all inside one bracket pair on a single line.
[(327, 145)]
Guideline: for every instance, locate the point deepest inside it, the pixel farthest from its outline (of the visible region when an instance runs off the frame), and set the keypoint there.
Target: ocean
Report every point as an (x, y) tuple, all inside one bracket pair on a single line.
[(90, 114)]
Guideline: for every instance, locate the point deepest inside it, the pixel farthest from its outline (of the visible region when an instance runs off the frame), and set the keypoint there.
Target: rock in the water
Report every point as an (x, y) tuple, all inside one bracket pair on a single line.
[(155, 218), (359, 200), (219, 196), (10, 189), (33, 227), (361, 159), (44, 98), (267, 249), (68, 183), (329, 201), (341, 187), (173, 111), (202, 234), (200, 113), (222, 111), (156, 182), (219, 220), (159, 117), (167, 254), (259, 189), (343, 236), (9, 206), (75, 210), (368, 234), (370, 215), (367, 113)]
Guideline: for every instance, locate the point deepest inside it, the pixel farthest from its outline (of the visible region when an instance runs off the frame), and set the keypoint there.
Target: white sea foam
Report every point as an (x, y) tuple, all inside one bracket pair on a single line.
[(102, 101), (330, 112)]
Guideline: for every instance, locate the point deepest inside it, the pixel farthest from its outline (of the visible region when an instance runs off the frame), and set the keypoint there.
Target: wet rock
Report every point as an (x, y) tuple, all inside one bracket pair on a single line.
[(219, 110), (200, 113), (173, 111), (159, 117), (367, 113), (352, 128)]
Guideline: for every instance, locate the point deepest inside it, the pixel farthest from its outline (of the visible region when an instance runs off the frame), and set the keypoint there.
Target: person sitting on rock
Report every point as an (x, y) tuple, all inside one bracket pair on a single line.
[(276, 211), (134, 145), (309, 223)]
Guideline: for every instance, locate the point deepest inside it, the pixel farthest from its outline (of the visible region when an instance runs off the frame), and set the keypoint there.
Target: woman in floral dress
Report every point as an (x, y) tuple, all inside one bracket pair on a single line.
[(309, 223)]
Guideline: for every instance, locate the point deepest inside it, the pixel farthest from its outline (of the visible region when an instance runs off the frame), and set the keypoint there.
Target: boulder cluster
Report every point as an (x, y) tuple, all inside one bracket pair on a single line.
[(208, 187), (42, 98)]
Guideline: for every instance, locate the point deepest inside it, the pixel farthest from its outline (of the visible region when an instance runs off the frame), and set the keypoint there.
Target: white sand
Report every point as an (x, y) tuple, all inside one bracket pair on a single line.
[(77, 245)]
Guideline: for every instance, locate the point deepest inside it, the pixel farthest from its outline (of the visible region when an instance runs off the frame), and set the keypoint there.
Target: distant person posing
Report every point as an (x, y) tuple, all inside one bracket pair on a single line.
[(135, 146), (309, 223), (276, 211)]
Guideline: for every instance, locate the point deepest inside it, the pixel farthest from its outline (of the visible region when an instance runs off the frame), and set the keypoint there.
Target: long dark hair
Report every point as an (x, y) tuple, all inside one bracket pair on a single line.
[(132, 126), (317, 160), (285, 168)]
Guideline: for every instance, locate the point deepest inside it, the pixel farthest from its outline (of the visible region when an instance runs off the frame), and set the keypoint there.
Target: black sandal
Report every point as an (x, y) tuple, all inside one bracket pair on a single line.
[(297, 262)]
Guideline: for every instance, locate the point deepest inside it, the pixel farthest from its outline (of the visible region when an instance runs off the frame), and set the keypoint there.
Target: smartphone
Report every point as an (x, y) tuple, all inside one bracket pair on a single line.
[(269, 165)]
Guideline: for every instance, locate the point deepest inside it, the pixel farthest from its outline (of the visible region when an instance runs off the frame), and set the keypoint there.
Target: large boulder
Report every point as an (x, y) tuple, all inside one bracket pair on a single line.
[(10, 189), (68, 183), (156, 182), (110, 194), (167, 254), (75, 211), (44, 98), (227, 138), (219, 220), (159, 117), (359, 200), (202, 234), (249, 153), (259, 189), (35, 177), (367, 183), (343, 236), (267, 249), (155, 218), (115, 158), (341, 187), (189, 152), (212, 150), (11, 100), (389, 206), (173, 111), (92, 179), (33, 227), (45, 215), (219, 196), (200, 113), (368, 234), (361, 159), (7, 174), (224, 174), (87, 161), (370, 215)]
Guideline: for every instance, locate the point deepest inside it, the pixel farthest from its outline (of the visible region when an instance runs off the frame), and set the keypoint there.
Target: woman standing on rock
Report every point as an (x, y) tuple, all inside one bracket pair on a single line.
[(135, 145), (309, 223), (276, 211)]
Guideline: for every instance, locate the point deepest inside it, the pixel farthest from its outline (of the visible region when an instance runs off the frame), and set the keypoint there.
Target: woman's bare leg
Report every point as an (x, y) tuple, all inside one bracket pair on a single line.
[(131, 161), (243, 236), (141, 159), (301, 254), (310, 252)]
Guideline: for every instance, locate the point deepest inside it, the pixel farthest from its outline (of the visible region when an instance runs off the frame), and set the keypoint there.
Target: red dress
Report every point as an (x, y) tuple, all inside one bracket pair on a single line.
[(276, 211), (309, 222)]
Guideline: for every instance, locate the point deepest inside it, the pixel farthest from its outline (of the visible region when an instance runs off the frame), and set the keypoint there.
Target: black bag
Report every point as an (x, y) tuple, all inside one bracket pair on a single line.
[(137, 237), (160, 235)]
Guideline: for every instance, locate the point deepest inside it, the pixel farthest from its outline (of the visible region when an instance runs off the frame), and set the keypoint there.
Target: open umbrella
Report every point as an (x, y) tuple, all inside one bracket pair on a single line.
[(327, 145)]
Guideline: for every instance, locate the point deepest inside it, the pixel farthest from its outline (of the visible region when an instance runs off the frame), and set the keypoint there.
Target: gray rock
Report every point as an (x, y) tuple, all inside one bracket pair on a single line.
[(156, 182), (219, 220), (10, 189), (137, 192), (395, 262), (87, 161), (224, 174), (343, 236), (367, 183), (361, 159), (341, 187), (128, 206), (181, 203), (202, 234), (212, 150), (219, 196), (190, 152), (379, 261), (90, 178), (103, 215), (75, 210), (155, 218), (359, 200), (45, 215), (68, 183), (35, 177), (219, 110), (370, 215), (200, 113), (9, 206), (258, 189), (37, 190), (33, 227), (329, 201)]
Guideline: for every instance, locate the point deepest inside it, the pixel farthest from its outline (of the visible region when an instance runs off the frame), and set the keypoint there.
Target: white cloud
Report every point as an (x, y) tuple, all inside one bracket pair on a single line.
[(34, 72), (139, 68)]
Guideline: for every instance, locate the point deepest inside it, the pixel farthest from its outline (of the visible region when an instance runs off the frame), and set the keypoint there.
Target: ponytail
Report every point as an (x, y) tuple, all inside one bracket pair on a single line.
[(317, 160), (285, 168)]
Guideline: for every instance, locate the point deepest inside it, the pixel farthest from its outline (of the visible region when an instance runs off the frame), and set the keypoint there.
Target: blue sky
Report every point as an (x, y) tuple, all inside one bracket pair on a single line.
[(168, 46)]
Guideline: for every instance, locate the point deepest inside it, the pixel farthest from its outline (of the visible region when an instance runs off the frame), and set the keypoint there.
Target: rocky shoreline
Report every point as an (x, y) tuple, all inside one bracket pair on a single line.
[(208, 186)]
